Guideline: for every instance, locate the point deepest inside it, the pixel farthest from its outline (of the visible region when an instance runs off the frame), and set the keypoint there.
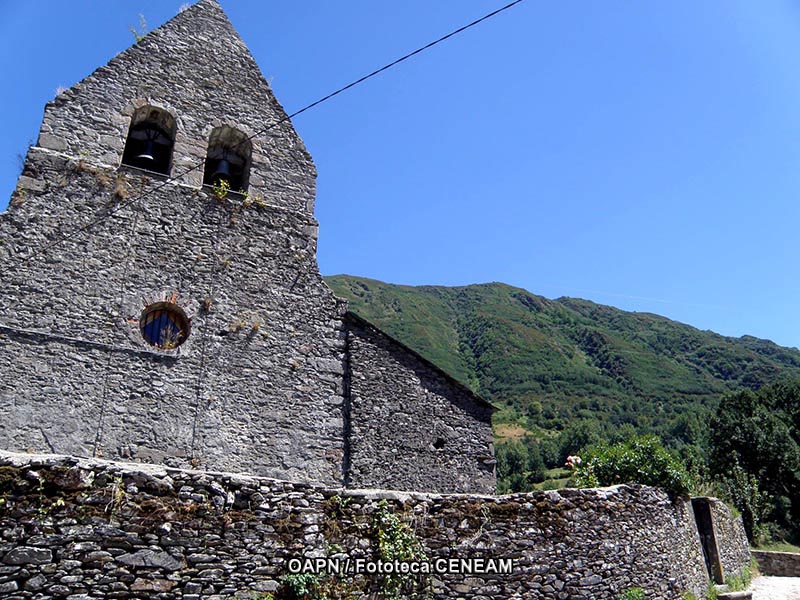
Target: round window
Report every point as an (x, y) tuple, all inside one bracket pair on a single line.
[(164, 325)]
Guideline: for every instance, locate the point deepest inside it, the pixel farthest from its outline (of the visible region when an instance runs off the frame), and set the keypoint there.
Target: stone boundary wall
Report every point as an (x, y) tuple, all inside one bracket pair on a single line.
[(779, 564), (80, 529)]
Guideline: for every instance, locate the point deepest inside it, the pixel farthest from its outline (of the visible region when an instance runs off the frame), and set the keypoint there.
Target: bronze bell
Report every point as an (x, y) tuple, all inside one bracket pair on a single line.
[(223, 171), (147, 154)]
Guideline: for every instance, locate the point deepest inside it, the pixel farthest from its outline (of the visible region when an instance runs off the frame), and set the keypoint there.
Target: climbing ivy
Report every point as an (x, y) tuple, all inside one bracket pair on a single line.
[(396, 542)]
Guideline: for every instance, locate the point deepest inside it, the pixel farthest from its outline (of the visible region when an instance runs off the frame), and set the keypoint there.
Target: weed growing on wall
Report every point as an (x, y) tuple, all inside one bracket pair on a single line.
[(252, 199), (712, 592), (396, 540), (138, 34), (120, 187), (300, 586), (118, 497), (19, 196), (392, 539), (741, 581), (221, 188), (635, 593)]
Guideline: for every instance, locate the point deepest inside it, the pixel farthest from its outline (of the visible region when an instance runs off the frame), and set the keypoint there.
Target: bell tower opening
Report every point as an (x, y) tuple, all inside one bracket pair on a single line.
[(228, 159), (151, 138)]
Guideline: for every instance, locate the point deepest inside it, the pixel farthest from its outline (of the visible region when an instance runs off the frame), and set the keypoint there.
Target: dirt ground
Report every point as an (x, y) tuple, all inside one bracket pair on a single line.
[(776, 588)]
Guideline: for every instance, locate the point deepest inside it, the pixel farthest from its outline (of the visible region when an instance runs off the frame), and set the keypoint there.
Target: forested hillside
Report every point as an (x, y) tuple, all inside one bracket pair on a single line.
[(551, 364)]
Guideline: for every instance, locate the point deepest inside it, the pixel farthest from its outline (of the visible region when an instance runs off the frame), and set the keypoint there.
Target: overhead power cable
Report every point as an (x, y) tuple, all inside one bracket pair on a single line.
[(401, 59), (115, 209)]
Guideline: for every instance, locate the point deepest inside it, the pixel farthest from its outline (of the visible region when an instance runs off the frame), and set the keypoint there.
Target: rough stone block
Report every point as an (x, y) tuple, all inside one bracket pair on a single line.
[(28, 555), (150, 558)]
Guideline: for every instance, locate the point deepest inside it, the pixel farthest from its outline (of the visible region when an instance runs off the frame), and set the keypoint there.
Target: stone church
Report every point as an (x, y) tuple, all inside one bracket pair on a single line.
[(160, 299)]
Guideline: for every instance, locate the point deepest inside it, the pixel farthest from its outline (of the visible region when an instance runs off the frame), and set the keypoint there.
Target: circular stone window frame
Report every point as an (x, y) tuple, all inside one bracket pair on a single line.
[(135, 303), (177, 316)]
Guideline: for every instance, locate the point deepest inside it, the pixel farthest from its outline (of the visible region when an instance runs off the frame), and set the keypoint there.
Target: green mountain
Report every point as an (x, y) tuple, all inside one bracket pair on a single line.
[(549, 363)]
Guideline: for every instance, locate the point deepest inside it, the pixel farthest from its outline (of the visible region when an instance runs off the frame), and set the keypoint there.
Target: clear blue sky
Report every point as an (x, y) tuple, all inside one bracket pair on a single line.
[(640, 154)]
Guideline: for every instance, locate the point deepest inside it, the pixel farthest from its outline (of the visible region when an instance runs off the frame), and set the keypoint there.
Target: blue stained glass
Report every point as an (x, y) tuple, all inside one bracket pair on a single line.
[(161, 328)]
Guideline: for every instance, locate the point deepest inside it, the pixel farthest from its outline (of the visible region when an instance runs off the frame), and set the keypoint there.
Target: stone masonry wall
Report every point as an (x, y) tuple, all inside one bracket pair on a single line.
[(778, 564), (258, 385), (734, 549), (412, 427), (87, 529)]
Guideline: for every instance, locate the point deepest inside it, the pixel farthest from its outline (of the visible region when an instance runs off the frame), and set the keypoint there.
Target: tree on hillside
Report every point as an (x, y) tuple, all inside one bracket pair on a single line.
[(578, 435), (754, 443), (519, 465)]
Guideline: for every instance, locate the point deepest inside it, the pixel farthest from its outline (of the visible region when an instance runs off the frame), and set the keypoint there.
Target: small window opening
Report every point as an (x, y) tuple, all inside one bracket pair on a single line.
[(151, 138), (228, 159), (164, 325), (439, 443)]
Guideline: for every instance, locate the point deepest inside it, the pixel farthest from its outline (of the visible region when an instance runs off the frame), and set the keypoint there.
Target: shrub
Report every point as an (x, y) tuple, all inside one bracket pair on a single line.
[(640, 459)]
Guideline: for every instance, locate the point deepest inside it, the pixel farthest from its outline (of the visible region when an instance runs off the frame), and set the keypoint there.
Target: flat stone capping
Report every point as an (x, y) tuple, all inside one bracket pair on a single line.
[(778, 564), (734, 595)]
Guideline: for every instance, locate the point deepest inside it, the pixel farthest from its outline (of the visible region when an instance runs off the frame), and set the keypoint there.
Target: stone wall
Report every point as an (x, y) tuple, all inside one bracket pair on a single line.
[(84, 529), (779, 564), (257, 386), (412, 427), (732, 544)]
